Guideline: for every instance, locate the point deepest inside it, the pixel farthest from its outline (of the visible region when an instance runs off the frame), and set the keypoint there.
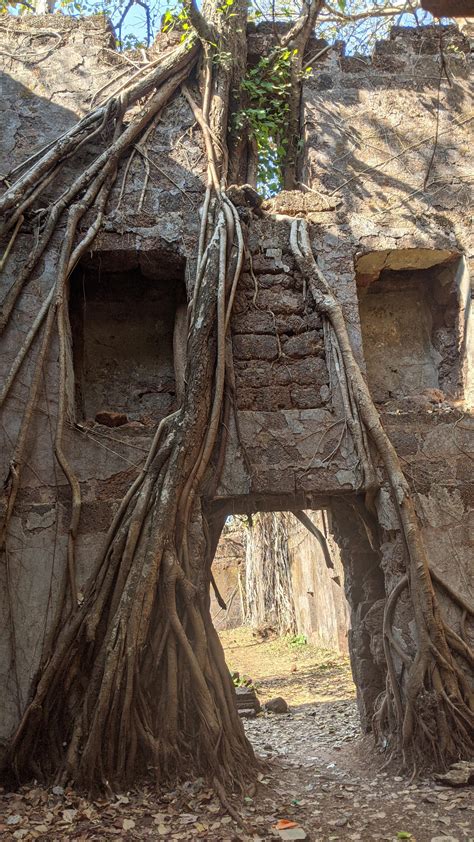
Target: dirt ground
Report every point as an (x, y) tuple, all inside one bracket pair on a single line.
[(318, 772), (301, 673)]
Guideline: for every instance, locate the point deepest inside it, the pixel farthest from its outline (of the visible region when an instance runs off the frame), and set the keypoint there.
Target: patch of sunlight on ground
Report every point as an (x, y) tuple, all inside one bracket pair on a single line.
[(301, 673)]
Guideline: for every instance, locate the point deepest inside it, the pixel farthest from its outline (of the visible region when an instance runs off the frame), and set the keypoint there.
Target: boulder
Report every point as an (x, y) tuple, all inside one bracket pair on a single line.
[(276, 705)]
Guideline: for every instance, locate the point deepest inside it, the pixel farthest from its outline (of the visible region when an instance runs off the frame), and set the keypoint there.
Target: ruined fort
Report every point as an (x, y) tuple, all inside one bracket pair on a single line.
[(383, 166)]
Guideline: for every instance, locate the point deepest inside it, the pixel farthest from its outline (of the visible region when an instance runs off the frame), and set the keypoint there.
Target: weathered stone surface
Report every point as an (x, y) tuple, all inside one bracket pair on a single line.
[(251, 347), (111, 419), (276, 705), (304, 345), (247, 701), (459, 774), (290, 445)]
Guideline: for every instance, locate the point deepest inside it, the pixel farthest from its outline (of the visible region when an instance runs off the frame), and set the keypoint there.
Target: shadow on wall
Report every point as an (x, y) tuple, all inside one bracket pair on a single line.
[(318, 601), (359, 142), (29, 122), (272, 575), (414, 322)]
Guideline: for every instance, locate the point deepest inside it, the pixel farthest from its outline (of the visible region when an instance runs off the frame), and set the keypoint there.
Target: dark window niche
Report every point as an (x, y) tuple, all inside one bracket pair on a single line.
[(410, 331), (122, 322)]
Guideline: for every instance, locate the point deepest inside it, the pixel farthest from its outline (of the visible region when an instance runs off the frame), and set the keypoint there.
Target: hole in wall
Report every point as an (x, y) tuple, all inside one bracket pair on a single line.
[(409, 311), (123, 315)]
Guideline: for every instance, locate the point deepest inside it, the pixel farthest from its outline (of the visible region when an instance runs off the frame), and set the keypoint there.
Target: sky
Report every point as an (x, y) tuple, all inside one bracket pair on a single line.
[(358, 37)]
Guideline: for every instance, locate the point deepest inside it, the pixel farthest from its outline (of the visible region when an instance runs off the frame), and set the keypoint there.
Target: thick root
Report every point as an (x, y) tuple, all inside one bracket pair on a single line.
[(427, 714)]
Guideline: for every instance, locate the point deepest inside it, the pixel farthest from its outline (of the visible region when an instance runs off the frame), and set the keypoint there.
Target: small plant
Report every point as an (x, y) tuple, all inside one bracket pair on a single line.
[(225, 9), (242, 681), (297, 640), (268, 87), (176, 17)]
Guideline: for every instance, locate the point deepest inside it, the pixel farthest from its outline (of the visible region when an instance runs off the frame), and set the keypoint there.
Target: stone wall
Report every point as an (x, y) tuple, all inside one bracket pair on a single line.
[(320, 607), (391, 162), (322, 611), (227, 568)]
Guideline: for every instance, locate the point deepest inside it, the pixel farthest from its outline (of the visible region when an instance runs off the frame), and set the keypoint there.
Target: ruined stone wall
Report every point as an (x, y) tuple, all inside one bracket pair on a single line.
[(322, 611), (320, 607), (378, 136), (371, 129), (51, 77), (227, 569)]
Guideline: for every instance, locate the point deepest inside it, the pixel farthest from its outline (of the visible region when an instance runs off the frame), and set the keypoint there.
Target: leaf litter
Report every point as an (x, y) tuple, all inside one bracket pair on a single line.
[(320, 778)]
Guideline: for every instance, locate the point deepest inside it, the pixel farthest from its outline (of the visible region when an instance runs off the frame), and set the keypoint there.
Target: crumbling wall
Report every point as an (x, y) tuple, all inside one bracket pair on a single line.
[(395, 152), (391, 167), (408, 323), (50, 80), (122, 341), (227, 569), (321, 608)]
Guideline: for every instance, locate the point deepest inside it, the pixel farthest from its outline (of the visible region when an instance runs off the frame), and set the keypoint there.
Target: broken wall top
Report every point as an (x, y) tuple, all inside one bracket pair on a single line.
[(392, 136)]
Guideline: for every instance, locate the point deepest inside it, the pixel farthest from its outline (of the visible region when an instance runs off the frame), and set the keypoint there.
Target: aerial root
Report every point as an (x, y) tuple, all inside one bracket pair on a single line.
[(97, 715), (425, 682)]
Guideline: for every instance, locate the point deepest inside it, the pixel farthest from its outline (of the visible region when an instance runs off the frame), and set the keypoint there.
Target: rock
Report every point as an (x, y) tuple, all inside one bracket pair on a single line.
[(58, 790), (111, 419), (459, 774), (248, 704), (296, 203), (244, 196), (339, 822), (292, 833), (247, 713), (434, 395), (277, 705)]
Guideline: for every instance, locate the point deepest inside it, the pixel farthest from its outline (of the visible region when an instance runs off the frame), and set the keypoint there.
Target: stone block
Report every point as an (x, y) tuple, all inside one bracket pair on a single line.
[(253, 321), (304, 345), (251, 347), (281, 301)]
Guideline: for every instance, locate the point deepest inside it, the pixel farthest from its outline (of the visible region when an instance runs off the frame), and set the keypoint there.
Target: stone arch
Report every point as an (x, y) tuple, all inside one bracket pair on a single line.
[(357, 537)]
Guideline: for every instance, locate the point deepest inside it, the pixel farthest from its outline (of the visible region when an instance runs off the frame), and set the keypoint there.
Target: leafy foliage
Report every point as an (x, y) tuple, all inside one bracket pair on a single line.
[(239, 680), (297, 640), (176, 18), (267, 86)]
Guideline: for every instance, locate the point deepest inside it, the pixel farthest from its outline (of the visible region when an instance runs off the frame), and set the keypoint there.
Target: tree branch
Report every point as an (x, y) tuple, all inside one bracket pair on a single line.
[(205, 32)]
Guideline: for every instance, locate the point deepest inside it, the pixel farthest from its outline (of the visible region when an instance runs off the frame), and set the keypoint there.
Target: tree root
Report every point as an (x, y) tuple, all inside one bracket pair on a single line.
[(133, 680), (429, 705)]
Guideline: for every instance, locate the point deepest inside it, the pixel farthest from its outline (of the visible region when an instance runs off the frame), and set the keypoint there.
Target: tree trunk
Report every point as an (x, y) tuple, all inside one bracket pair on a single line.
[(133, 681), (268, 586)]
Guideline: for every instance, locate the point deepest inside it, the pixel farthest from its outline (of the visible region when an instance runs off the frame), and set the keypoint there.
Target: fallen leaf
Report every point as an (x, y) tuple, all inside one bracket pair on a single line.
[(128, 824)]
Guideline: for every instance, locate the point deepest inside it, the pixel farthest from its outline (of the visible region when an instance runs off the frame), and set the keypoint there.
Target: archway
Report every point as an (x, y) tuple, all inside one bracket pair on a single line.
[(353, 538)]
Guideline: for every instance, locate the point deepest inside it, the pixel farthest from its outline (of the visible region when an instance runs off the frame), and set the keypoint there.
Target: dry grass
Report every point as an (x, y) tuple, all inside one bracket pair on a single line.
[(301, 673)]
